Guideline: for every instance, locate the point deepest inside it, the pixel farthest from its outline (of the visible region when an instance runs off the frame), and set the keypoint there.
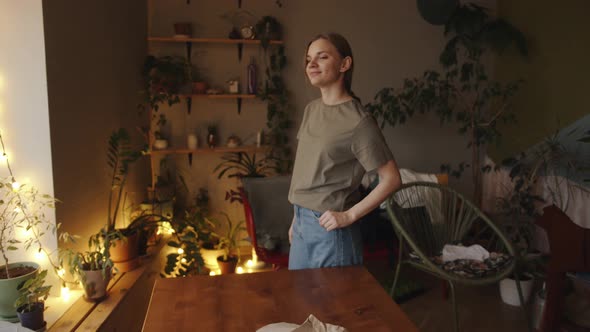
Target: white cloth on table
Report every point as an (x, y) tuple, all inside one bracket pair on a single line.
[(311, 324), (474, 252), (569, 196)]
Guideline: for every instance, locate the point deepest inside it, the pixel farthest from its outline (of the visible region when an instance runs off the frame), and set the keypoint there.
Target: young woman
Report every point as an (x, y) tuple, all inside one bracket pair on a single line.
[(338, 142)]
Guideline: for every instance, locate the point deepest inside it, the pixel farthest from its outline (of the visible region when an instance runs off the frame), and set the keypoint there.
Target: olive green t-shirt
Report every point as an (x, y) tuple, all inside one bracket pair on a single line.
[(337, 145)]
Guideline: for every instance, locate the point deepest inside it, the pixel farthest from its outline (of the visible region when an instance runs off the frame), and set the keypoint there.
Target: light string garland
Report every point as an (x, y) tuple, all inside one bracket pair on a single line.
[(34, 233)]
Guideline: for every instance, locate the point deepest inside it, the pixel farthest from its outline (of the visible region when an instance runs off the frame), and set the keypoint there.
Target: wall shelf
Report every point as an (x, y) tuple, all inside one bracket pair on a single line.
[(237, 97), (189, 42), (220, 149), (211, 40), (189, 152)]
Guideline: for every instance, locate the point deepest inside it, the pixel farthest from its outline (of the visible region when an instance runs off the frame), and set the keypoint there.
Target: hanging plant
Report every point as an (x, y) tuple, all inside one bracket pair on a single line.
[(276, 95), (164, 79)]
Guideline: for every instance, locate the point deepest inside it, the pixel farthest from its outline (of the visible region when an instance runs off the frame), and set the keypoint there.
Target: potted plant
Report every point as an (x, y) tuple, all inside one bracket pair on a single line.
[(463, 92), (164, 79), (93, 268), (192, 233), (229, 243), (22, 208), (30, 305), (520, 206), (120, 243)]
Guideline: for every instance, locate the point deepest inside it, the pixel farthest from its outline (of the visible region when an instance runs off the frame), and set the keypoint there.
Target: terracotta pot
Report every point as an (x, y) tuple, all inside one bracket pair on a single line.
[(95, 285), (124, 253), (228, 266), (200, 87)]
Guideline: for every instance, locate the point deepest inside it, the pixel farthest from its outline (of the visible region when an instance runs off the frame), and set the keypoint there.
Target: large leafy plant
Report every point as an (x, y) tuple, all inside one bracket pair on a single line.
[(120, 156), (22, 208), (191, 232), (32, 292), (463, 92)]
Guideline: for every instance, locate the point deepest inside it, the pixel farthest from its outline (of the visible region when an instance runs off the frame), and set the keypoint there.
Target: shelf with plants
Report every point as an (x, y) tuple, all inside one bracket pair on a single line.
[(212, 40), (221, 96), (246, 148)]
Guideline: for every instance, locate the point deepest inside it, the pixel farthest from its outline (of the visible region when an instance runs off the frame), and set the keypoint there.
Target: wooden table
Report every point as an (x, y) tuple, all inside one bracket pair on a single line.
[(347, 296)]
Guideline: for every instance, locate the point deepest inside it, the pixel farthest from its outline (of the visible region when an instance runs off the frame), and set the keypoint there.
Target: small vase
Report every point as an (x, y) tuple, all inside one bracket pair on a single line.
[(160, 144), (192, 141)]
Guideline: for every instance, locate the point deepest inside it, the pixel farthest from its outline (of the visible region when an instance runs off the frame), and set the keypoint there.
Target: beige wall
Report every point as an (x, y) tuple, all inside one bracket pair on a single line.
[(556, 84), (390, 42), (94, 54), (24, 115)]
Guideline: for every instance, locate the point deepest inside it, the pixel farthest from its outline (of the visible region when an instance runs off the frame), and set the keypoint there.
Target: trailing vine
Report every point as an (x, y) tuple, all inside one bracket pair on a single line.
[(278, 122)]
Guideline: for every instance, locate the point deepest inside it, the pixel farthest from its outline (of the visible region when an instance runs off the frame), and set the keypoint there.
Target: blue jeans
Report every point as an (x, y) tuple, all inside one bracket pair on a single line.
[(312, 246)]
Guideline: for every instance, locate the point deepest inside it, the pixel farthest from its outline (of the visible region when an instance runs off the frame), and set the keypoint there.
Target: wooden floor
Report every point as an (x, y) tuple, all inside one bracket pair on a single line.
[(480, 308)]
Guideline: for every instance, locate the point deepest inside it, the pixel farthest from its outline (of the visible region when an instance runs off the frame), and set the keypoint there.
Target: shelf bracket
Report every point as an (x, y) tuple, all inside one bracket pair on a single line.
[(240, 47), (189, 104), (189, 46), (239, 101), (190, 159)]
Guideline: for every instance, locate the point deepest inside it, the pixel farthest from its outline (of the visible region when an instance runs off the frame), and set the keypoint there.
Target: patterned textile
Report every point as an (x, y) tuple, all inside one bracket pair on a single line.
[(470, 268)]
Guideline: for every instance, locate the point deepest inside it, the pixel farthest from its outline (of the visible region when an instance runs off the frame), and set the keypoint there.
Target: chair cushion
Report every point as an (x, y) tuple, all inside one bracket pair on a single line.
[(470, 268)]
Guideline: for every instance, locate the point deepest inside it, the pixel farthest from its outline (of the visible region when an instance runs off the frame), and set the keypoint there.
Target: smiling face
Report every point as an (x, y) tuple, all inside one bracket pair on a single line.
[(324, 65)]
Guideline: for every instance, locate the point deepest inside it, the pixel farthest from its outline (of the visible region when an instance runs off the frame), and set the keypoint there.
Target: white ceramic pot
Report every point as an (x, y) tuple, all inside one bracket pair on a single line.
[(509, 292), (160, 144), (210, 258), (95, 285), (192, 142)]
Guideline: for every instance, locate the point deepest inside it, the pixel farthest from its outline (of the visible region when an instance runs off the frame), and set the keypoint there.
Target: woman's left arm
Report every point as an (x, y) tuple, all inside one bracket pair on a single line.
[(389, 181)]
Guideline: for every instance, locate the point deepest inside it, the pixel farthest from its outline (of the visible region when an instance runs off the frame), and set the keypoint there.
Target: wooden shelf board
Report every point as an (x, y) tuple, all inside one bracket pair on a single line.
[(250, 148), (210, 40), (222, 96)]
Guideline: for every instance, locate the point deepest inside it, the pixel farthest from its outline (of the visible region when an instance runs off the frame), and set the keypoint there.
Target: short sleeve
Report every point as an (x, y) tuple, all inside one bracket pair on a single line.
[(369, 146)]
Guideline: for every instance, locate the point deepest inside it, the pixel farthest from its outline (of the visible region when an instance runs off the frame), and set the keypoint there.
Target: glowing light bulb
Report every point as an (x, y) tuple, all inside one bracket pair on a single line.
[(212, 273), (239, 270), (65, 293), (3, 157), (15, 185), (61, 272), (39, 255), (18, 210), (183, 260), (180, 251), (249, 263)]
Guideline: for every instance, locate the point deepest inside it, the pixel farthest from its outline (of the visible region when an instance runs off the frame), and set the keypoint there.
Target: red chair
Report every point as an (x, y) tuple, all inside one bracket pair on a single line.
[(271, 196)]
